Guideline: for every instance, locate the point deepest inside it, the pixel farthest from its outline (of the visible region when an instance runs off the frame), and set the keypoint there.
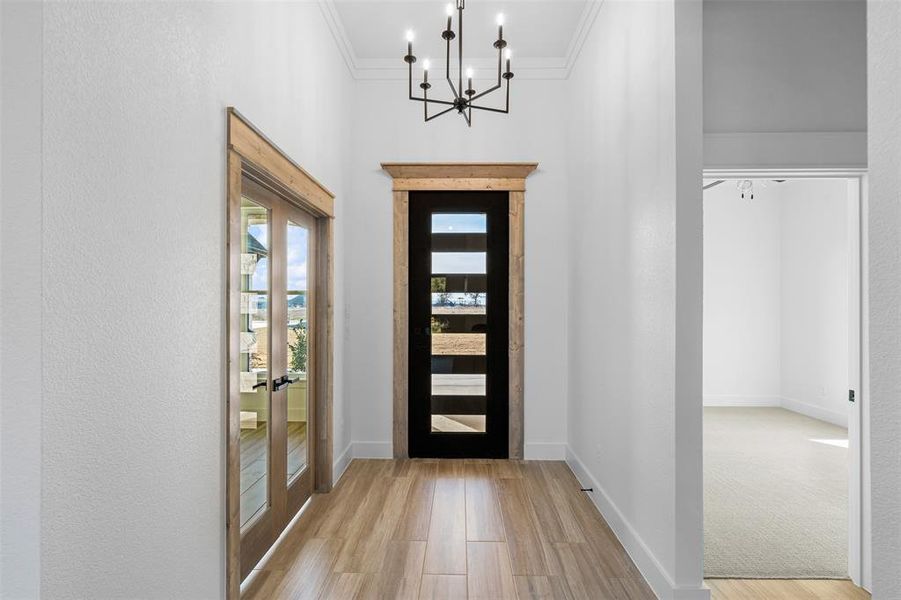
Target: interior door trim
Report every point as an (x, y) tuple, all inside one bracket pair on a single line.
[(509, 177), (251, 153)]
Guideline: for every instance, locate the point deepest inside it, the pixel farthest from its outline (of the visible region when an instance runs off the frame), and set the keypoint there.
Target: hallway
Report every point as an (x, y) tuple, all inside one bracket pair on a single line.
[(451, 529), (309, 240)]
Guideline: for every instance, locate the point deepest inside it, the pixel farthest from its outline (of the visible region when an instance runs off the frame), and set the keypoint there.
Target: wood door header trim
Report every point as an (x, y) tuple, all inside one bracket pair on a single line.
[(461, 170), (402, 184), (258, 150)]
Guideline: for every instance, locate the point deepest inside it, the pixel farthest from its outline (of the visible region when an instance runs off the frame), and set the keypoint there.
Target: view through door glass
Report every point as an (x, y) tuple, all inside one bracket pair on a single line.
[(277, 333), (298, 336), (458, 324), (254, 359)]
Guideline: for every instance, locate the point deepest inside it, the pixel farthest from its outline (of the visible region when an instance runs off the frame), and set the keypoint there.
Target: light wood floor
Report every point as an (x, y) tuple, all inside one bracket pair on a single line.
[(472, 529), (790, 589), (451, 529)]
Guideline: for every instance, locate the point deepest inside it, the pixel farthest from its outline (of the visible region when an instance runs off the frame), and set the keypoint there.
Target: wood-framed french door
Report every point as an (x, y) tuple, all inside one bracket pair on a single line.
[(458, 324), (280, 306)]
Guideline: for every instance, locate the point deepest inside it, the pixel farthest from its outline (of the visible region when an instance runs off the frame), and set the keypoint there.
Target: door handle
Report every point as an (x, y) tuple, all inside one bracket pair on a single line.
[(281, 382), (261, 384)]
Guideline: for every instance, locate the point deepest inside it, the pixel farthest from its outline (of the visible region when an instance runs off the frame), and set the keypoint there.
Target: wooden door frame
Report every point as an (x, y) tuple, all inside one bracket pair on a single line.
[(252, 153), (502, 177)]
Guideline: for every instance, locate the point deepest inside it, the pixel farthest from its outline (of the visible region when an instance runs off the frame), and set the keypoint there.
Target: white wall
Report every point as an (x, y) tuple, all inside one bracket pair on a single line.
[(784, 83), (814, 294), (742, 301), (388, 128), (776, 320), (634, 316), (131, 251), (883, 266), (20, 307)]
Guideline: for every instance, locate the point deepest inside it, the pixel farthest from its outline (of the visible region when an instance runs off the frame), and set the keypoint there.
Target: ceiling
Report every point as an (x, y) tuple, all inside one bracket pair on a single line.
[(544, 35)]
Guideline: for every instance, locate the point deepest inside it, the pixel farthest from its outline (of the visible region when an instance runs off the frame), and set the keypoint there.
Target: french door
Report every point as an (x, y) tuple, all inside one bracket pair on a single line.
[(458, 329), (277, 326)]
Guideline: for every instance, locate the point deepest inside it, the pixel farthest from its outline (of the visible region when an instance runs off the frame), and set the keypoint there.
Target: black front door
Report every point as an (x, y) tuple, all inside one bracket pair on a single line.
[(458, 309)]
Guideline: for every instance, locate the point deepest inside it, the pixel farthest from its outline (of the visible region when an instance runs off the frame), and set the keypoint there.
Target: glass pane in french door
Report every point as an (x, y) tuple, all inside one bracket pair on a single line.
[(298, 254), (254, 359), (458, 322)]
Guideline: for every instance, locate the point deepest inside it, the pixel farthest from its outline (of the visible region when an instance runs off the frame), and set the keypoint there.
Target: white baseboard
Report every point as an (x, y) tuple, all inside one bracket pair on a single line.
[(340, 464), (816, 412), (659, 580), (373, 450), (533, 451), (739, 400), (545, 451), (803, 408)]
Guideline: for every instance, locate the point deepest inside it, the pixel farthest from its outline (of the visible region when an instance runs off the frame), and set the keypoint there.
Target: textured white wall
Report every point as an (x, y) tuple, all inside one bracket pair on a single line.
[(130, 263), (634, 317), (814, 298), (20, 292), (388, 128), (785, 83), (884, 261), (742, 296)]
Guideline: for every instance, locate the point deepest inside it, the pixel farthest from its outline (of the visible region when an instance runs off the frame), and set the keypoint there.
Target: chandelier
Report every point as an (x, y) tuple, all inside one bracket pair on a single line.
[(463, 100)]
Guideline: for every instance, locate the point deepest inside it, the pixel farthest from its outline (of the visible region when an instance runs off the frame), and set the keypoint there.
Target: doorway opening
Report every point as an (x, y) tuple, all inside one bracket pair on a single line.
[(500, 181), (279, 345), (782, 393)]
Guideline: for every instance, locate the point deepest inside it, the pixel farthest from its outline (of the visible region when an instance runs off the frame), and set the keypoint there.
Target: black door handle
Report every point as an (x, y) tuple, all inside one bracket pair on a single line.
[(261, 384), (281, 382)]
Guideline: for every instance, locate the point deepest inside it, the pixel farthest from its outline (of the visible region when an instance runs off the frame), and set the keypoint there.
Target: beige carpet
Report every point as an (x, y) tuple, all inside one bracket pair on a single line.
[(775, 495)]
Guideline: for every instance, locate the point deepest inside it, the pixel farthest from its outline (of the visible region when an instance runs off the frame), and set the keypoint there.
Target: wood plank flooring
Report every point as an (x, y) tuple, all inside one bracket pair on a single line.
[(784, 589), (457, 529), (452, 529)]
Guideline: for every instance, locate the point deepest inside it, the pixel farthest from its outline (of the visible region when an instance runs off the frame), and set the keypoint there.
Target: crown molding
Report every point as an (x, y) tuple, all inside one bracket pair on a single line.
[(336, 26), (378, 69), (586, 22)]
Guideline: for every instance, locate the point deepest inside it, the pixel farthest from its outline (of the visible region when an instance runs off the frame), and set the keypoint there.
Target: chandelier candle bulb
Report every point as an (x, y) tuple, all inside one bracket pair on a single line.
[(508, 54), (449, 9), (410, 42), (500, 26)]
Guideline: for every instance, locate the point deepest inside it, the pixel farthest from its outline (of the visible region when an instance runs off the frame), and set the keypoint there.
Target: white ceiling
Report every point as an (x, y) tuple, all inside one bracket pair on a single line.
[(545, 35)]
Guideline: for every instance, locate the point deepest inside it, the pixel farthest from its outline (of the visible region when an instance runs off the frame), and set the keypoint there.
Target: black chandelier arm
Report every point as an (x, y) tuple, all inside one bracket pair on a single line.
[(447, 74), (505, 110), (489, 109), (500, 52), (436, 115), (433, 101), (460, 47), (485, 93), (410, 80)]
